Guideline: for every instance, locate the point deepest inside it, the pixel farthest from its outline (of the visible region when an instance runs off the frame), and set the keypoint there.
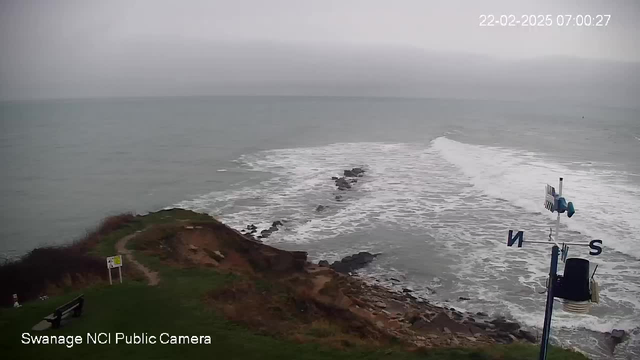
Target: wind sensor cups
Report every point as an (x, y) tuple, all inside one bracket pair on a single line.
[(556, 203)]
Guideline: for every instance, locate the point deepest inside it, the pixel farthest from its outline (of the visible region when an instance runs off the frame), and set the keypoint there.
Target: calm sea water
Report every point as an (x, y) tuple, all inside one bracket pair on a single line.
[(446, 180)]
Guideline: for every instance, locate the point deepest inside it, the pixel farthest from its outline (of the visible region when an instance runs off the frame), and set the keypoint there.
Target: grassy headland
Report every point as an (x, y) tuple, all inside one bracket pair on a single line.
[(253, 304)]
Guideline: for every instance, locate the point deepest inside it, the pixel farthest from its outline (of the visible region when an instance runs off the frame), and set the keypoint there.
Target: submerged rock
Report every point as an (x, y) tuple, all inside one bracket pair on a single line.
[(321, 208), (503, 324), (614, 338), (527, 335), (353, 262), (618, 335), (343, 183), (358, 171), (355, 172)]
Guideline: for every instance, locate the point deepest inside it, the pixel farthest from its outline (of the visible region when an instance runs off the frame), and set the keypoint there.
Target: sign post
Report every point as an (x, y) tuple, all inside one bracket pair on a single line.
[(114, 262), (554, 202)]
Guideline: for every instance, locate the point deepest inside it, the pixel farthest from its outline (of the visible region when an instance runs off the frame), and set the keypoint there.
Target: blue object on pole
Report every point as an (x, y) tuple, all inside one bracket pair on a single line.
[(561, 205), (546, 330), (570, 209)]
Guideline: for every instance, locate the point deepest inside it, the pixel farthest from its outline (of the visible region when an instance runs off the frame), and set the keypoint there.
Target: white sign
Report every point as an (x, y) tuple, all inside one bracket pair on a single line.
[(114, 261), (550, 198)]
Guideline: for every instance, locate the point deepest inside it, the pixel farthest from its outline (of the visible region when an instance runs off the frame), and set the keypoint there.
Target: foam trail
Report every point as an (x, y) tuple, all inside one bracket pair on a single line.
[(453, 193), (607, 206)]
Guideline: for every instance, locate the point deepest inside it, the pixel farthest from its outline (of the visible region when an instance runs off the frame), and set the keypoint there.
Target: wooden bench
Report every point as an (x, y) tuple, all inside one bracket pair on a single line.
[(74, 305)]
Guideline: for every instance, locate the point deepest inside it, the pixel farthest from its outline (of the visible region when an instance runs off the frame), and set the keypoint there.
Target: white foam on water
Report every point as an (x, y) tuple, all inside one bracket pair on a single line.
[(607, 206), (510, 175), (221, 170), (398, 189), (466, 197)]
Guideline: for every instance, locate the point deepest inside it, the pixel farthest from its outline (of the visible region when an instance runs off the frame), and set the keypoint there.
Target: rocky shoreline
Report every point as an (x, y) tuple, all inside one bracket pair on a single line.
[(400, 313), (410, 315)]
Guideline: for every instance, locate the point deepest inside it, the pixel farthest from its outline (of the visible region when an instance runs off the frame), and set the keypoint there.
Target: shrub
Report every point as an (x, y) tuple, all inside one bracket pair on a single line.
[(106, 226), (56, 268)]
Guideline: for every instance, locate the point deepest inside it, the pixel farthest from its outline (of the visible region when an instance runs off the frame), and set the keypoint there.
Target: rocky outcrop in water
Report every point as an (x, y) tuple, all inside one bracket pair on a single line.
[(349, 178), (252, 229), (343, 184), (614, 338), (353, 262), (355, 172)]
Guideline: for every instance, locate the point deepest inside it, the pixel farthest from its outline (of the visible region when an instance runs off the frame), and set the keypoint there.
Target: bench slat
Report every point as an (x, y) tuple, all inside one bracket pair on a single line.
[(71, 308), (65, 309), (73, 302)]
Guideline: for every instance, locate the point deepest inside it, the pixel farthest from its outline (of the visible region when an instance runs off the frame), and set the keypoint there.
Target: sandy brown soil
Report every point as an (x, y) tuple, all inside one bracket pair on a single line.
[(121, 247), (283, 294)]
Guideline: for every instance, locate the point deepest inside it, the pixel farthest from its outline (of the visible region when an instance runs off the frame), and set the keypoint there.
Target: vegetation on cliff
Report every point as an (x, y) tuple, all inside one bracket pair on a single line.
[(254, 301)]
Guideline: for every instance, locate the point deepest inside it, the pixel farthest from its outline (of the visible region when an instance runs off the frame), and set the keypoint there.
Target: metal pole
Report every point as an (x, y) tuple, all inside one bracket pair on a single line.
[(546, 330), (558, 218)]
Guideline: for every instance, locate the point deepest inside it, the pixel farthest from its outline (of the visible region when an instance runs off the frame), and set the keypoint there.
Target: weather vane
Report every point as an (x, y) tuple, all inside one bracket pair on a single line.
[(576, 287)]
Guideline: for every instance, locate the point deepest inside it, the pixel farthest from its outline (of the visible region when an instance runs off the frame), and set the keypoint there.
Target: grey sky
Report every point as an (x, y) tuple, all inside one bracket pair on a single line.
[(83, 48)]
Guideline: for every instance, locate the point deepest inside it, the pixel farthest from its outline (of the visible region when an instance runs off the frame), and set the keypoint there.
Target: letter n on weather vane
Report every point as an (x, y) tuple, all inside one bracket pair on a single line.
[(518, 237)]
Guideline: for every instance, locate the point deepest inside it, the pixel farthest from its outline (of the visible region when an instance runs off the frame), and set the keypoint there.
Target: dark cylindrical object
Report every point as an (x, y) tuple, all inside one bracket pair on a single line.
[(546, 329), (574, 284)]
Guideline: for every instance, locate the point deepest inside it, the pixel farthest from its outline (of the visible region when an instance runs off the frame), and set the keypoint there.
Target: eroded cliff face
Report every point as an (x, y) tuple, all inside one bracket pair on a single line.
[(279, 292)]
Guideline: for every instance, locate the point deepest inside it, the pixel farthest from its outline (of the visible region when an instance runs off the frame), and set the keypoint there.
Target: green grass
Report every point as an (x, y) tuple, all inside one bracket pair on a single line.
[(107, 246), (176, 307)]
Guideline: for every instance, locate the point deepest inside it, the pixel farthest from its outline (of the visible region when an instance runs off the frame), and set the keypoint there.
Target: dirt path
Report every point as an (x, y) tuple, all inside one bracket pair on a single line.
[(121, 247)]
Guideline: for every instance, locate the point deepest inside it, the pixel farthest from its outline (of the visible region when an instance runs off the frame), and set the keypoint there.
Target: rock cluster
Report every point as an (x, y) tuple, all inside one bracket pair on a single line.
[(344, 183), (614, 338), (355, 172), (427, 325), (350, 263), (404, 316), (252, 229)]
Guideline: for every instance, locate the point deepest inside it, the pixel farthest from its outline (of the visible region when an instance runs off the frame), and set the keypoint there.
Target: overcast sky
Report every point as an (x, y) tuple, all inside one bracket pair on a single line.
[(93, 48)]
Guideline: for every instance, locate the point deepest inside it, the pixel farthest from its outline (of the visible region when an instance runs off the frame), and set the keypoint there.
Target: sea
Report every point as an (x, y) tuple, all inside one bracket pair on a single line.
[(446, 179)]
